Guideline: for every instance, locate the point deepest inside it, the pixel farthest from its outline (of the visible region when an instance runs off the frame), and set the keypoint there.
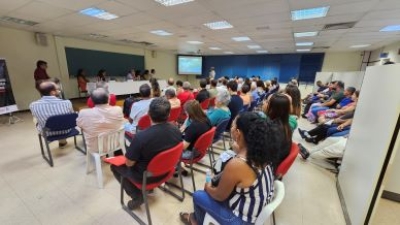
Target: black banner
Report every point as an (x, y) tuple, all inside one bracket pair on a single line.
[(7, 101)]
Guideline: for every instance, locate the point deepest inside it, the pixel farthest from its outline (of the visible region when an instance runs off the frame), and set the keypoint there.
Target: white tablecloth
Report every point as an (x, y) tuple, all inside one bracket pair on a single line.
[(124, 88)]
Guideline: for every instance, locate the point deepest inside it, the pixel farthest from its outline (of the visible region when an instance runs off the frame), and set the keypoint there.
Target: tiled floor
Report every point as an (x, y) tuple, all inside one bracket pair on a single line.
[(31, 192), (387, 213)]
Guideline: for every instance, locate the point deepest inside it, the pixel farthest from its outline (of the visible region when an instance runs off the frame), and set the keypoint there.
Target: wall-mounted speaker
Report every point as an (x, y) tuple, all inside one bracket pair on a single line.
[(41, 39)]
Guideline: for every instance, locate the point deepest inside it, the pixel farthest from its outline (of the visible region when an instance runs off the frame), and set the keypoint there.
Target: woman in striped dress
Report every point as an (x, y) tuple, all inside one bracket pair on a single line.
[(246, 184)]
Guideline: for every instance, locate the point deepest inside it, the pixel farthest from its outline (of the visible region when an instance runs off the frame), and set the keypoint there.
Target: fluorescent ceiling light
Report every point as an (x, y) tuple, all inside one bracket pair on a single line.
[(214, 48), (172, 2), (18, 21), (262, 51), (253, 46), (218, 25), (312, 13), (360, 46), (98, 13), (195, 42), (241, 38), (304, 43), (303, 50), (391, 28), (161, 32), (97, 35), (306, 34), (228, 52)]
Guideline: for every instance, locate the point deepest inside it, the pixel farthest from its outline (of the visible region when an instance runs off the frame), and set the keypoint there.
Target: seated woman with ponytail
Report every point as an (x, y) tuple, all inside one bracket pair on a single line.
[(239, 198)]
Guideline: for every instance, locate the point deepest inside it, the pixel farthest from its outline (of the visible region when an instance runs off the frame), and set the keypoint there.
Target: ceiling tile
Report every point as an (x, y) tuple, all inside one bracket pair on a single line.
[(10, 5), (42, 10), (75, 5), (117, 8)]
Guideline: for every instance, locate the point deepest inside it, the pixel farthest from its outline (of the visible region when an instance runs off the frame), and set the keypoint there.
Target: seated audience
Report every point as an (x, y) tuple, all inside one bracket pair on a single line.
[(321, 86), (155, 88), (144, 148), (245, 95), (170, 85), (49, 105), (236, 103), (294, 92), (131, 75), (240, 83), (221, 111), (334, 113), (140, 108), (223, 83), (348, 94), (82, 80), (101, 118), (274, 86), (238, 198), (112, 100), (186, 94), (203, 93), (173, 100), (213, 89), (179, 88)]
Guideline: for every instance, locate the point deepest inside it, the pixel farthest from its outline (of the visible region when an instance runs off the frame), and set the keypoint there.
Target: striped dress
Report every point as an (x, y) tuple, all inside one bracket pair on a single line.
[(247, 203)]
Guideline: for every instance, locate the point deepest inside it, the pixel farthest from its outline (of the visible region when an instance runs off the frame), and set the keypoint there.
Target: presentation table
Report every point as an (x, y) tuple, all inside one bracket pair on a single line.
[(124, 88)]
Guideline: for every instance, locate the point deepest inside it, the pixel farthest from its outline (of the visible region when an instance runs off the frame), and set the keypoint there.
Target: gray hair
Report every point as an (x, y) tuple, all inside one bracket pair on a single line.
[(186, 85), (223, 97), (99, 96), (170, 93)]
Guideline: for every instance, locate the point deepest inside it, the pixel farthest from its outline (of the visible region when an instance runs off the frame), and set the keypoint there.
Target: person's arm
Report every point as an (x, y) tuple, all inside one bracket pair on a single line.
[(345, 124), (329, 103), (185, 145), (133, 152), (130, 163)]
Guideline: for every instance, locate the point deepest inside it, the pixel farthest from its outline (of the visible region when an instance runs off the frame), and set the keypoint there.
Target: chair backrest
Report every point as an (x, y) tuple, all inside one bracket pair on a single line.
[(144, 122), (61, 122), (220, 129), (111, 141), (204, 104), (279, 194), (165, 161), (204, 142), (174, 114), (285, 165), (212, 102)]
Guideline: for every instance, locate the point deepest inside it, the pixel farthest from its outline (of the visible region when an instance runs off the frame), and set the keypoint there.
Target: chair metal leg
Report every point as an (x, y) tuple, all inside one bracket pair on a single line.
[(50, 158), (193, 182), (41, 144), (273, 218), (79, 148), (125, 207)]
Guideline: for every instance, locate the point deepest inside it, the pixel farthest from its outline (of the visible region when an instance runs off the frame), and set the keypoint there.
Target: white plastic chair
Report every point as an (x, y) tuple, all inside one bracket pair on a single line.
[(267, 211), (108, 143)]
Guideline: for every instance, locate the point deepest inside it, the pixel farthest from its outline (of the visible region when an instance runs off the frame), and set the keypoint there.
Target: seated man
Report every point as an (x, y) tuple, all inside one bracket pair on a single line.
[(170, 85), (139, 108), (236, 103), (101, 118), (173, 100), (146, 146), (203, 93), (49, 105)]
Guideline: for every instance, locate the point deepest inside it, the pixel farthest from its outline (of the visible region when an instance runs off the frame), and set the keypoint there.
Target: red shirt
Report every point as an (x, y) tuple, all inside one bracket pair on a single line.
[(40, 74), (185, 96)]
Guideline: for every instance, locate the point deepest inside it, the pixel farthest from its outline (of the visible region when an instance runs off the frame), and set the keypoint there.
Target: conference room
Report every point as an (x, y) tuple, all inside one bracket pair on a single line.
[(302, 94)]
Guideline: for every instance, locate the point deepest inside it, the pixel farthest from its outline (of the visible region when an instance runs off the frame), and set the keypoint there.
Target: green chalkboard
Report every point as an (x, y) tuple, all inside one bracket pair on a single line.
[(116, 64)]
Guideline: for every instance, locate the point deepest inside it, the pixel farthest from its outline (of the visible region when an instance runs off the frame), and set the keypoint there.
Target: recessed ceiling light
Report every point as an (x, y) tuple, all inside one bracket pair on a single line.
[(98, 13), (391, 28), (172, 2), (312, 13), (161, 32), (195, 42), (18, 21), (306, 34), (219, 25), (262, 51), (241, 38), (214, 48), (228, 52), (303, 50), (253, 46), (360, 46), (304, 43)]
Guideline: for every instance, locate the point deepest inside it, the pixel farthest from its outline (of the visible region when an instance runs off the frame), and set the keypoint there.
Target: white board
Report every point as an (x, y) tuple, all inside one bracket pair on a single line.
[(372, 130)]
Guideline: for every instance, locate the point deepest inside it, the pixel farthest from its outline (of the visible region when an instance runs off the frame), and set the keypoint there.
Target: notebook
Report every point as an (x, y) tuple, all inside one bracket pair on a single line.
[(116, 161)]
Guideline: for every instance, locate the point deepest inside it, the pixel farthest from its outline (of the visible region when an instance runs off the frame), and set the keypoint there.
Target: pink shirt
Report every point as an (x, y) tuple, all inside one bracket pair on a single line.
[(175, 102), (97, 120)]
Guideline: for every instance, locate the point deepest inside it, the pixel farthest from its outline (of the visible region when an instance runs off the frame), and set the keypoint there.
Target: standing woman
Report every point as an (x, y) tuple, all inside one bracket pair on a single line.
[(155, 88), (101, 76), (82, 80)]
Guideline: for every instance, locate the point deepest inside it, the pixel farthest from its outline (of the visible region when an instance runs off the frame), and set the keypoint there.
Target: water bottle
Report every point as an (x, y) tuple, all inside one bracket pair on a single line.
[(208, 176)]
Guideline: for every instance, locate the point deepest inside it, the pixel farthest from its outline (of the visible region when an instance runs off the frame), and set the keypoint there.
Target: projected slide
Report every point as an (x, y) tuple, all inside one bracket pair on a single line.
[(190, 65)]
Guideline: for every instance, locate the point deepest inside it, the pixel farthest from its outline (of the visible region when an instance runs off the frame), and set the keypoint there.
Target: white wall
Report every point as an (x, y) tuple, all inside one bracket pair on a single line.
[(392, 49), (342, 61)]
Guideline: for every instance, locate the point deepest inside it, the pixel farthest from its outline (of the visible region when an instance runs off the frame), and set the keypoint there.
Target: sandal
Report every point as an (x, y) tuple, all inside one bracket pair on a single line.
[(185, 218)]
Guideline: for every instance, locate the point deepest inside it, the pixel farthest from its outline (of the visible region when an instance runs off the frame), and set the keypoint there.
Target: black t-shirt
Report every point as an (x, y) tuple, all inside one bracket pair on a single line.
[(202, 95), (194, 131), (149, 143), (235, 105)]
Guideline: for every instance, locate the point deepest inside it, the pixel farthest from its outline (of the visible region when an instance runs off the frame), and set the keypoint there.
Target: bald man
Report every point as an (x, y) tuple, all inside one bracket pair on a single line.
[(170, 85), (49, 105)]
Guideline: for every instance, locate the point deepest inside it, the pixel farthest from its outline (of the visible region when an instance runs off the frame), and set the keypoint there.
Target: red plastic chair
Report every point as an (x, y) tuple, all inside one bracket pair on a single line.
[(201, 146), (204, 104), (285, 165), (143, 123), (212, 103), (163, 163), (195, 94), (174, 114)]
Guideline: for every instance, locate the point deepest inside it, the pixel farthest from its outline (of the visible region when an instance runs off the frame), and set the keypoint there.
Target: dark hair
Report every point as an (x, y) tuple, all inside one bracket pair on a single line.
[(80, 73), (179, 83), (274, 82), (232, 85), (40, 63), (213, 83), (99, 96), (351, 90), (247, 81), (152, 71), (245, 88), (100, 74), (260, 84), (146, 72), (279, 109), (340, 84), (155, 86), (357, 93), (145, 90), (294, 92), (195, 112), (224, 82), (203, 83), (260, 138), (46, 87), (170, 92), (159, 110), (208, 80)]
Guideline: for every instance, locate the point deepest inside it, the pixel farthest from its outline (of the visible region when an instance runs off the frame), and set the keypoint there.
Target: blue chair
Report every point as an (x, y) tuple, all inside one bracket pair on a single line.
[(219, 134), (57, 128), (245, 108)]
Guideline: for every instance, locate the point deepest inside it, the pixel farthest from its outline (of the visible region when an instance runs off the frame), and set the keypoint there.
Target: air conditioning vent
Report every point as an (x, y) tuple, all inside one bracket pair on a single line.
[(338, 26)]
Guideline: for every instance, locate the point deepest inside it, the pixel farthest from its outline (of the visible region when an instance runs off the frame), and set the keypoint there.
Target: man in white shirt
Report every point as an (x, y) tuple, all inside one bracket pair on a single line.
[(212, 73), (222, 87), (170, 85), (131, 75), (140, 108)]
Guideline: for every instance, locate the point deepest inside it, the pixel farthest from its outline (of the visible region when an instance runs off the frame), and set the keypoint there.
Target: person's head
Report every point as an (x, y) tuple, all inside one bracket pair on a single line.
[(339, 85), (99, 96), (101, 73), (240, 80), (277, 107), (245, 88), (224, 82), (159, 110), (41, 64), (146, 72), (153, 71), (294, 82), (170, 93), (171, 82), (247, 81), (294, 92), (274, 82), (267, 84), (355, 96), (232, 86), (213, 83), (223, 98), (258, 137), (253, 86), (212, 68), (81, 73), (319, 83), (186, 86), (203, 83), (179, 83), (208, 80), (349, 91), (48, 88), (145, 91), (195, 112), (260, 84)]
